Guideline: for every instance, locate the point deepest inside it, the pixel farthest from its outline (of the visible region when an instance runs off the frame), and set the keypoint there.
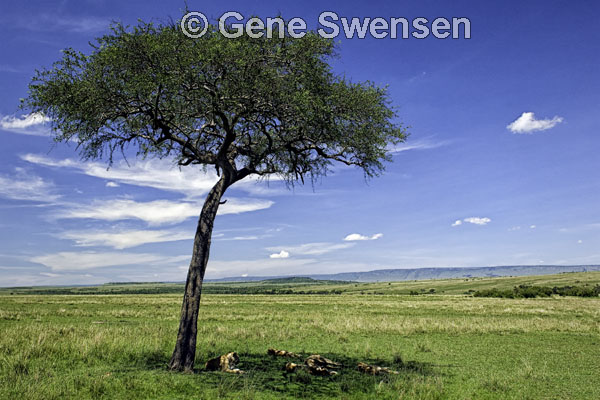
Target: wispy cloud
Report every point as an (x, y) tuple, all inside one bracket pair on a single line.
[(27, 278), (25, 186), (581, 228), (62, 23), (244, 233), (8, 68), (253, 237), (527, 123), (154, 173), (418, 77), (28, 124), (77, 261), (158, 174), (313, 249), (242, 205), (422, 144), (158, 212), (357, 236), (123, 239)]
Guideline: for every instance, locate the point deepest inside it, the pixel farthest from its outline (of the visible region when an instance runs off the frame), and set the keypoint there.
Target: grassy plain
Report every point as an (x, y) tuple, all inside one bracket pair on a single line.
[(446, 345)]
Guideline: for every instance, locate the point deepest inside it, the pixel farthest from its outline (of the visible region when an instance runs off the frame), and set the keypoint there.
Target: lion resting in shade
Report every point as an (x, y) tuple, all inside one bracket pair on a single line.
[(374, 369), (224, 363), (316, 365)]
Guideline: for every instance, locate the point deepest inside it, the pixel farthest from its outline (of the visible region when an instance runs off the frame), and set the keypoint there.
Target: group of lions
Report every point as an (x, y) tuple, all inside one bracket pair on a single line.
[(315, 364)]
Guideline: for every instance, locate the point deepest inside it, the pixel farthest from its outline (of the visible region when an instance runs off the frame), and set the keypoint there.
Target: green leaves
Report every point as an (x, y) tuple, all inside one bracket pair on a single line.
[(261, 106)]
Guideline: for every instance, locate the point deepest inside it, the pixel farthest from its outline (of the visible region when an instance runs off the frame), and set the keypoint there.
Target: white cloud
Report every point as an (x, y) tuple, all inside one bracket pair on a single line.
[(312, 248), (357, 236), (527, 123), (49, 274), (158, 174), (112, 184), (77, 261), (155, 173), (472, 220), (156, 212), (125, 238), (28, 124), (25, 121), (580, 241), (281, 254), (477, 220), (532, 227), (23, 186)]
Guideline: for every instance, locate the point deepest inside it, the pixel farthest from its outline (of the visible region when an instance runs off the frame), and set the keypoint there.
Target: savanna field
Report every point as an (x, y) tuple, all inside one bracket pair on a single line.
[(114, 341)]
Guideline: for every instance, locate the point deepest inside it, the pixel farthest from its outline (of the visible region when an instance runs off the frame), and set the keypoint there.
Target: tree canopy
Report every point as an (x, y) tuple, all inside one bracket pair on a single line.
[(245, 105)]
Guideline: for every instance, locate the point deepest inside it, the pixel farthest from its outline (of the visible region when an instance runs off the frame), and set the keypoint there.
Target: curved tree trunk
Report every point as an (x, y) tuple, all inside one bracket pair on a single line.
[(185, 348)]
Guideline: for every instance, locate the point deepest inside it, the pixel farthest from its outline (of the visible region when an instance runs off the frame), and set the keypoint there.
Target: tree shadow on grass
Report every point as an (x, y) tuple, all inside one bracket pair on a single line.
[(266, 373)]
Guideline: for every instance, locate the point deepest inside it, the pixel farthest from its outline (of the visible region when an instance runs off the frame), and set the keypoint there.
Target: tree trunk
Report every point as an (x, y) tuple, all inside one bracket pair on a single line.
[(185, 348)]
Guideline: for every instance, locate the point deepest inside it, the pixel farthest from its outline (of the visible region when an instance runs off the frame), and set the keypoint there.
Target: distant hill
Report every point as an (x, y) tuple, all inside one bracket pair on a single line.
[(585, 280), (391, 275), (291, 279)]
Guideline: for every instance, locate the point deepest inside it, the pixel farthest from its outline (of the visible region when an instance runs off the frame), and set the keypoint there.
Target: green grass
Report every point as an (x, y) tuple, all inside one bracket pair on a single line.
[(446, 346)]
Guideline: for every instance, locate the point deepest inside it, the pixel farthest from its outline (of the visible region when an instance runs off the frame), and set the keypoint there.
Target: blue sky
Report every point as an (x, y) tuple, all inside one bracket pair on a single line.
[(501, 166)]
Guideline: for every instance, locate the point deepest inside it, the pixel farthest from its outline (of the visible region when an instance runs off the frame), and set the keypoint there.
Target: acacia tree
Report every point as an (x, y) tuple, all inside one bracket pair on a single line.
[(243, 106)]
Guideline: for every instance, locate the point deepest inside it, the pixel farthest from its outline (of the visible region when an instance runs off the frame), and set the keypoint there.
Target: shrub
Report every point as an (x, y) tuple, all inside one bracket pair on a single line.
[(529, 292)]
